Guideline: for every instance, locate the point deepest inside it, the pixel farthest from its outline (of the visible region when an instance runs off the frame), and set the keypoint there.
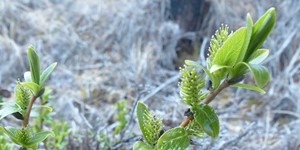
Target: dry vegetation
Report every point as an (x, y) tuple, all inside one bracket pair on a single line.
[(110, 50)]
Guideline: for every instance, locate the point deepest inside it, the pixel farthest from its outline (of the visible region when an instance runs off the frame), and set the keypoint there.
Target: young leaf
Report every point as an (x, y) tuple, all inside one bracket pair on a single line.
[(35, 88), (260, 74), (258, 56), (39, 137), (176, 138), (46, 73), (191, 63), (207, 118), (194, 129), (8, 108), (34, 62), (261, 30), (249, 28), (250, 87), (40, 108), (139, 145), (216, 67), (11, 133), (227, 55)]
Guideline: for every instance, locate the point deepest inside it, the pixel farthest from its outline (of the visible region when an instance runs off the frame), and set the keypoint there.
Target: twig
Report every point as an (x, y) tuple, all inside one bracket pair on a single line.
[(26, 119), (163, 85), (287, 113), (186, 121)]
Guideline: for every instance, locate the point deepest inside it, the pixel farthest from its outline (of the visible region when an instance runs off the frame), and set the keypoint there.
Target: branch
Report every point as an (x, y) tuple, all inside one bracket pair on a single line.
[(214, 93), (26, 119)]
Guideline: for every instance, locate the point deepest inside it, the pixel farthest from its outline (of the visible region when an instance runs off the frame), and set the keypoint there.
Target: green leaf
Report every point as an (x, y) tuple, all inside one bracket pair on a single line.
[(142, 113), (261, 30), (46, 73), (176, 138), (34, 62), (8, 108), (207, 118), (258, 56), (37, 110), (216, 67), (250, 87), (194, 129), (11, 133), (139, 145), (214, 79), (260, 74), (46, 108), (39, 137), (33, 87), (249, 28), (228, 54), (191, 63)]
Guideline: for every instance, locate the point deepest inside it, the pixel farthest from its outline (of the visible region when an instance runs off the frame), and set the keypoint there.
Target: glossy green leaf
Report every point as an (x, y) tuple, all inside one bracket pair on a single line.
[(33, 87), (139, 145), (260, 74), (249, 28), (11, 133), (250, 87), (8, 108), (194, 129), (261, 30), (142, 113), (228, 54), (207, 118), (34, 63), (176, 138), (46, 73), (39, 137), (258, 56)]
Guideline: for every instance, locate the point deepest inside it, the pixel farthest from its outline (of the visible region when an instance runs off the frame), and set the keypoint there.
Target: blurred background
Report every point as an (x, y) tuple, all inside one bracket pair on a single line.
[(113, 50)]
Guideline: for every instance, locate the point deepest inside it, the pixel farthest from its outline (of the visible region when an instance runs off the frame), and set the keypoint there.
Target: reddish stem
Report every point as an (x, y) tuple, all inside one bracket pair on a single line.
[(26, 119)]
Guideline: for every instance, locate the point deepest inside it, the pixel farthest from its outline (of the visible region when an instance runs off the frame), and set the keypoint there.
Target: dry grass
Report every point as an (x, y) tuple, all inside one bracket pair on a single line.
[(108, 50)]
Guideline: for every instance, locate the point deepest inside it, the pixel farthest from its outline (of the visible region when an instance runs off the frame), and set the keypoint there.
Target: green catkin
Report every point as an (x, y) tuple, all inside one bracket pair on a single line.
[(216, 43), (190, 85), (154, 125), (24, 135), (22, 95)]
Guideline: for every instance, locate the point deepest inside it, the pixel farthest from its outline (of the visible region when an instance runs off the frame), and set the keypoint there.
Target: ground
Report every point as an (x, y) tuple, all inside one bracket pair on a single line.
[(128, 49)]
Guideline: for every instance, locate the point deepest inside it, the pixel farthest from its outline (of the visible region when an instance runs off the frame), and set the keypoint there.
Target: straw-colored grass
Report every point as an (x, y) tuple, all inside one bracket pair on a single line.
[(111, 49)]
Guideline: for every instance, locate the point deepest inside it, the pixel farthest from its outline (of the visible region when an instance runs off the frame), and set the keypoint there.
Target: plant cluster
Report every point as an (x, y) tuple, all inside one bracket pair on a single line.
[(43, 117), (26, 94), (231, 56)]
